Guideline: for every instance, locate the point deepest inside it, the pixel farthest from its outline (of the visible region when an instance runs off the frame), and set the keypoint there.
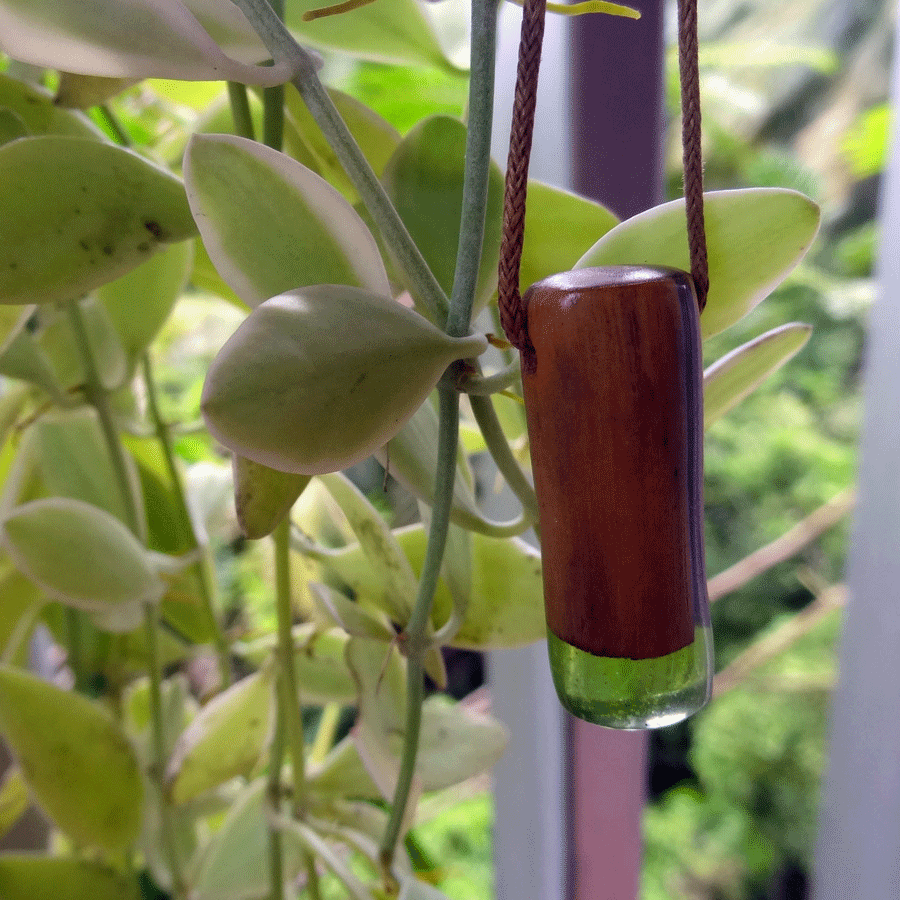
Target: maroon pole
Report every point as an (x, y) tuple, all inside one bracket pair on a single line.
[(617, 140)]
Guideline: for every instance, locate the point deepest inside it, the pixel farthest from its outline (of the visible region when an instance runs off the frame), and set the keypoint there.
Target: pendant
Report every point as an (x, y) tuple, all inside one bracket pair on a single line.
[(614, 398)]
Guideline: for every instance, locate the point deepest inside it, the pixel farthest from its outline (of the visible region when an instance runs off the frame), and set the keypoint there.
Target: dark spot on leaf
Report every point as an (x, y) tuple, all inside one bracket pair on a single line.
[(84, 246), (107, 250), (14, 265), (143, 247), (154, 229)]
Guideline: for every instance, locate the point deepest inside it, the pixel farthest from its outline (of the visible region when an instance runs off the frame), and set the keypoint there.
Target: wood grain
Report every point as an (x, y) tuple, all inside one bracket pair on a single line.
[(613, 393)]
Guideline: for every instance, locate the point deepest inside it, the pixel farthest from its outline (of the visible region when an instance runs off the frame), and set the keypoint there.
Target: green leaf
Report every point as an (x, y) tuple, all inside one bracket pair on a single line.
[(263, 496), (755, 237), (392, 31), (76, 213), (82, 556), (35, 106), (388, 566), (506, 603), (13, 801), (22, 358), (77, 91), (12, 126), (271, 225), (728, 380), (350, 616), (77, 762), (29, 876), (413, 888), (225, 740), (560, 227), (235, 865), (322, 672), (303, 138), (75, 463), (191, 39), (317, 379), (424, 179), (140, 302)]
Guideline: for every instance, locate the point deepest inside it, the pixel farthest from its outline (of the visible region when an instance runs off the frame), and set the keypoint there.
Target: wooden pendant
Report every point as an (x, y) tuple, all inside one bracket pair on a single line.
[(613, 393)]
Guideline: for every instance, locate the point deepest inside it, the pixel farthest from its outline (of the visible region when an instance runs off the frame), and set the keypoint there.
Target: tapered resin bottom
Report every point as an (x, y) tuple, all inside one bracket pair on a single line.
[(632, 693)]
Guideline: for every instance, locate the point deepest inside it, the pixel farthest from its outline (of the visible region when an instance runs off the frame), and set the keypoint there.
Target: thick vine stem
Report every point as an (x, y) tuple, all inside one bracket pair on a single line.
[(205, 577), (419, 279)]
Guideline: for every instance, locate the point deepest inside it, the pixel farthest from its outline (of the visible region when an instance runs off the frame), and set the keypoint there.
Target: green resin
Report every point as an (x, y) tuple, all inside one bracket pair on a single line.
[(632, 693)]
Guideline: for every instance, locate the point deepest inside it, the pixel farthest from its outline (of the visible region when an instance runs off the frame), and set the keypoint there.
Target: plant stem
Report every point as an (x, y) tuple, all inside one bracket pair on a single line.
[(157, 767), (240, 110), (481, 93), (276, 857), (288, 694), (204, 576), (420, 281), (498, 445), (273, 100), (117, 128), (97, 396)]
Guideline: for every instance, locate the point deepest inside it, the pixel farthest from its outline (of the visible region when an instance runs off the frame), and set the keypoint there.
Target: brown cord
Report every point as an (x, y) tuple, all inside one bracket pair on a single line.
[(513, 315), (512, 310), (692, 148)]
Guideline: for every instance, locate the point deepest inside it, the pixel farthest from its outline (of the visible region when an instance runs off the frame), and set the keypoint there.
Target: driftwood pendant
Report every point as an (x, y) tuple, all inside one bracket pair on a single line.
[(613, 393)]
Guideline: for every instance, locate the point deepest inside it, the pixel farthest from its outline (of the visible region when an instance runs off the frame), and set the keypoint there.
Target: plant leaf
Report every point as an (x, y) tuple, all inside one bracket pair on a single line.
[(391, 31), (235, 865), (79, 765), (322, 672), (76, 213), (318, 378), (352, 617), (424, 179), (29, 876), (77, 91), (75, 463), (81, 556), (754, 237), (387, 563), (225, 739), (413, 888), (13, 801), (560, 227), (139, 302), (35, 106), (195, 40), (271, 225), (263, 496), (728, 380)]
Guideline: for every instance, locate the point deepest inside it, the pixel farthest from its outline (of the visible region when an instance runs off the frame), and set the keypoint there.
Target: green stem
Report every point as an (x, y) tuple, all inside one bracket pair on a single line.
[(415, 635), (97, 396), (273, 100), (288, 694), (273, 787), (205, 578), (498, 445), (419, 279), (157, 767), (240, 110), (483, 385), (115, 126)]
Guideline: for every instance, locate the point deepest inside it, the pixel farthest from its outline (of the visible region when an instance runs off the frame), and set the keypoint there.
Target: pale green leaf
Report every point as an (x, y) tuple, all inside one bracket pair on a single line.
[(754, 237), (140, 302), (40, 114), (226, 739), (75, 463), (317, 379), (78, 91), (23, 359), (30, 876), (12, 126), (263, 496), (13, 800), (343, 774), (392, 31), (560, 227), (271, 225), (235, 865), (78, 764), (202, 40), (424, 179), (352, 617), (322, 672), (728, 380), (76, 213), (81, 556), (387, 564), (414, 889), (303, 138)]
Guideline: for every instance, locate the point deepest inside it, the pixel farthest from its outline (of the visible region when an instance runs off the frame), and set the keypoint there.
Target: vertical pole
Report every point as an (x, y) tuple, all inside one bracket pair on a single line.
[(617, 157), (859, 840)]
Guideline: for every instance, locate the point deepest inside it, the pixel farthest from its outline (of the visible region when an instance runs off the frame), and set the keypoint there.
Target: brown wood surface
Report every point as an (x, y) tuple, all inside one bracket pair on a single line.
[(613, 395)]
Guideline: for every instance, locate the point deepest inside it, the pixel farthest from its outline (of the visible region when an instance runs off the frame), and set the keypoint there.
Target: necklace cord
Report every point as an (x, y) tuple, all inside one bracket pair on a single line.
[(513, 314)]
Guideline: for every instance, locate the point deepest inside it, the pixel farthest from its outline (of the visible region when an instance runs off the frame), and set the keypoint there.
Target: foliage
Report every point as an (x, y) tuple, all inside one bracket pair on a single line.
[(247, 785)]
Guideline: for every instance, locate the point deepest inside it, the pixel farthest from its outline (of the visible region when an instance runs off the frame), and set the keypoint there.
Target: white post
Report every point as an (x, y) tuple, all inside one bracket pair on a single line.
[(858, 852)]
